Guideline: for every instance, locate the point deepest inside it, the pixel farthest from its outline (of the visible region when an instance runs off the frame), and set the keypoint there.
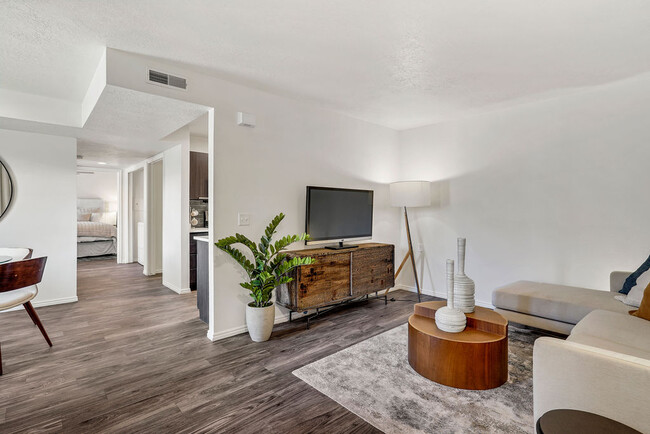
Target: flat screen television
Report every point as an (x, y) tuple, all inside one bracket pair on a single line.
[(338, 214)]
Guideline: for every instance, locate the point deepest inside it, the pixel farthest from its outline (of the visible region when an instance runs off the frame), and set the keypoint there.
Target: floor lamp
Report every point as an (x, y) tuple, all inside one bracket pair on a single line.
[(409, 194)]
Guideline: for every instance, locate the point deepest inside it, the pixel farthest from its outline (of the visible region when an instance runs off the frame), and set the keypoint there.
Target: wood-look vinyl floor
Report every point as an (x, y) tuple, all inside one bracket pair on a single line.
[(132, 356)]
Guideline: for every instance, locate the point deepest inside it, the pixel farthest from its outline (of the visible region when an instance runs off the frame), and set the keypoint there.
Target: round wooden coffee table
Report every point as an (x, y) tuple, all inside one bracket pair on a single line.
[(476, 358)]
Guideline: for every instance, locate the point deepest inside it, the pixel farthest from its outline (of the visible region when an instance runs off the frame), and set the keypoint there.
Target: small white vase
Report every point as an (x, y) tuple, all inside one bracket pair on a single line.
[(463, 286), (448, 318), (259, 321)]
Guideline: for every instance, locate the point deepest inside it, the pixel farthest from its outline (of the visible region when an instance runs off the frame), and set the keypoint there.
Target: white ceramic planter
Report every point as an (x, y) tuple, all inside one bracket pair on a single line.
[(259, 321)]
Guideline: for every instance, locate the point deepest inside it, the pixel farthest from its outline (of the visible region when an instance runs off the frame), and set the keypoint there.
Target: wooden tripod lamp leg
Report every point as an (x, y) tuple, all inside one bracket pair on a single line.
[(408, 255), (415, 271)]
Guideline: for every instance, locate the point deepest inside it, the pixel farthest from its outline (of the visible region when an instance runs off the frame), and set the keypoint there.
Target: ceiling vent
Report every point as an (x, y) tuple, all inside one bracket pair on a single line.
[(164, 79)]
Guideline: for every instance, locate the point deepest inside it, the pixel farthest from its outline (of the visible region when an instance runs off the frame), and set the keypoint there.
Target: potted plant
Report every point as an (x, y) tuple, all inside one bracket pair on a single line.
[(269, 269)]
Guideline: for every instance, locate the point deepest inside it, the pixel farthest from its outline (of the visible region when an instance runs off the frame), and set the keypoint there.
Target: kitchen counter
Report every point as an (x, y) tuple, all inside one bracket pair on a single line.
[(203, 238)]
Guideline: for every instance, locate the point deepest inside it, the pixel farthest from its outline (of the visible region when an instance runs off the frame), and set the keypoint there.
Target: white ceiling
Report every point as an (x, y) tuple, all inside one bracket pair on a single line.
[(124, 128), (397, 63)]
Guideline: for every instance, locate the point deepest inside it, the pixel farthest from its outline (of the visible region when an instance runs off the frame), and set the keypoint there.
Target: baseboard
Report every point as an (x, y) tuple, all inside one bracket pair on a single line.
[(442, 294), (55, 301), (176, 289), (227, 333)]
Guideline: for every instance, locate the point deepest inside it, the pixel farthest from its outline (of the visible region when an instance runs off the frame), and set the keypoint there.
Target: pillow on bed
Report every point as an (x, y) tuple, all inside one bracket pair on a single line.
[(110, 218), (82, 217)]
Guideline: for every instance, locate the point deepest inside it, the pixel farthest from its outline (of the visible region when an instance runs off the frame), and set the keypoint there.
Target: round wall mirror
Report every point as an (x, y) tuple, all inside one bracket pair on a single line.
[(6, 189)]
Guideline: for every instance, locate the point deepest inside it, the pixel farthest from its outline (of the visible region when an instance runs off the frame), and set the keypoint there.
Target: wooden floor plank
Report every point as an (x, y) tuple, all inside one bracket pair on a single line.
[(132, 356)]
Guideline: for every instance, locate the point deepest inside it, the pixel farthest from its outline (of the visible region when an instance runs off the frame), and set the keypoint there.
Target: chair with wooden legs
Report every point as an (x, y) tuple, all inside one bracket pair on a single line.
[(18, 285)]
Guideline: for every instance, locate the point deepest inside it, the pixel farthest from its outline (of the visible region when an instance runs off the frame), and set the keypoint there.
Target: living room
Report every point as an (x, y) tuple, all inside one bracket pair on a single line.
[(527, 123)]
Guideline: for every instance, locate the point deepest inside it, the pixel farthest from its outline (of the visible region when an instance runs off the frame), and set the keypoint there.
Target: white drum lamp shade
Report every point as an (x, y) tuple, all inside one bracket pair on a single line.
[(410, 193)]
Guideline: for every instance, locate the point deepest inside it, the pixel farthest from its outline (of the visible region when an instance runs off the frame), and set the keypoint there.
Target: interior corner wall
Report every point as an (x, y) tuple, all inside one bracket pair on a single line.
[(175, 222), (42, 215), (555, 191)]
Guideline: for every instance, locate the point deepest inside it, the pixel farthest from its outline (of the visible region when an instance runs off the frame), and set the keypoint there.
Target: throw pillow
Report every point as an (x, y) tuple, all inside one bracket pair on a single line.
[(644, 309), (631, 280), (634, 297), (96, 217), (81, 217)]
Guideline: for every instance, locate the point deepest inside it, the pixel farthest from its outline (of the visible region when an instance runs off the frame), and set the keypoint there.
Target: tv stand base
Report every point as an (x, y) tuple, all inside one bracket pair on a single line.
[(340, 246), (323, 310)]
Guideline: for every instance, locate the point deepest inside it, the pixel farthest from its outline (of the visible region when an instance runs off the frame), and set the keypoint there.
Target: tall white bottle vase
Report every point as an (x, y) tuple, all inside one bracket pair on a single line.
[(448, 318), (464, 290)]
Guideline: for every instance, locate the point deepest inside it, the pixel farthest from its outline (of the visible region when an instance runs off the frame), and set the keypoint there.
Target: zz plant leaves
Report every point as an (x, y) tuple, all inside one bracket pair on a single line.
[(270, 267)]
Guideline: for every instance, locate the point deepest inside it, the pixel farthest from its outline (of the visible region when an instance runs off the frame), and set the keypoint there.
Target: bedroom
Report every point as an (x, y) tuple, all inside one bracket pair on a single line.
[(97, 193)]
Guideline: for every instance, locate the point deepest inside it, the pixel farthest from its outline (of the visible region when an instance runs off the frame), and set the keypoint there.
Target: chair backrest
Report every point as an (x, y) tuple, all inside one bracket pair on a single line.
[(21, 274), (17, 253)]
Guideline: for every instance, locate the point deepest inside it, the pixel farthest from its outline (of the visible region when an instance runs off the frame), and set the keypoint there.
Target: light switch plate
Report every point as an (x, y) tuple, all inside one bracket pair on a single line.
[(244, 219)]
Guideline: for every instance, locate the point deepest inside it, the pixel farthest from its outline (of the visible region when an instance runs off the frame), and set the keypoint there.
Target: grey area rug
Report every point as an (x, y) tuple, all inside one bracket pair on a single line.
[(374, 380)]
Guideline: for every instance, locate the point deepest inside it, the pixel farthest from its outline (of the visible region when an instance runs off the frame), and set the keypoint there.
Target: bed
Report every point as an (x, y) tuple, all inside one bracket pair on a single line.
[(96, 230)]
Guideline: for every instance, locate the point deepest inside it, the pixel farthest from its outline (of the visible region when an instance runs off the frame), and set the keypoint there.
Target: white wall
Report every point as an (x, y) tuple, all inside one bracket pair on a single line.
[(264, 170), (43, 212), (99, 184), (555, 191), (176, 224)]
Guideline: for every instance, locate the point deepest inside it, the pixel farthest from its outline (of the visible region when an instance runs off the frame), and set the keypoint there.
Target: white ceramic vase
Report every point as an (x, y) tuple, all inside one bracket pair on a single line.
[(448, 318), (259, 321), (463, 285)]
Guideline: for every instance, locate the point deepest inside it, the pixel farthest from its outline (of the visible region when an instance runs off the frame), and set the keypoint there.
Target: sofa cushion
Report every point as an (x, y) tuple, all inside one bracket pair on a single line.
[(557, 302), (622, 333)]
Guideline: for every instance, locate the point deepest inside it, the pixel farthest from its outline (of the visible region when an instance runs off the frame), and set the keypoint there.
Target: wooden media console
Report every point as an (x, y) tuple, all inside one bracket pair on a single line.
[(338, 276)]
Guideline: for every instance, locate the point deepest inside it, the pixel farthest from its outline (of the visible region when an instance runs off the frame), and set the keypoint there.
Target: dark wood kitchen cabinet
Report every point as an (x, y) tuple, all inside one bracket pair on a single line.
[(198, 175)]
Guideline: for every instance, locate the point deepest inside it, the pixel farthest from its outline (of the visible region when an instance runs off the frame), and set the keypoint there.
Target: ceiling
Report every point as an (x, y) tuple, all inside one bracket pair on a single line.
[(396, 63), (124, 128)]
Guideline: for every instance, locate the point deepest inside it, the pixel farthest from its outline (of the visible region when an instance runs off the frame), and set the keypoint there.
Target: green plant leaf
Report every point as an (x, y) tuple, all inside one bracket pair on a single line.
[(270, 268)]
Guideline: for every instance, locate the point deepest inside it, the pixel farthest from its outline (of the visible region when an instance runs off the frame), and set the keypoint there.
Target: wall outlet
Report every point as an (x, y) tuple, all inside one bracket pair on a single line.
[(244, 219)]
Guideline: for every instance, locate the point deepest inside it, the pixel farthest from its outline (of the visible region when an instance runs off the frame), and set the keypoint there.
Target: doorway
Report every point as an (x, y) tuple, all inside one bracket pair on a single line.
[(136, 217)]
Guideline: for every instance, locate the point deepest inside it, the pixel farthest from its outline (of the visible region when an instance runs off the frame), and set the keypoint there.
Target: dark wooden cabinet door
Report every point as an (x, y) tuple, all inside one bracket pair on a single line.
[(372, 270), (198, 175), (324, 282)]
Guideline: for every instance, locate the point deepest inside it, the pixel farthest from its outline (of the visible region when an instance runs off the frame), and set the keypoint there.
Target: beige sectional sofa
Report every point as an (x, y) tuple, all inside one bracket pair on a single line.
[(557, 308), (603, 367)]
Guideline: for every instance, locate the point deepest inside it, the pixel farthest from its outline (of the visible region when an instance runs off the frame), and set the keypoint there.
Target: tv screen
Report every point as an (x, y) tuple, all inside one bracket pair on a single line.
[(338, 213)]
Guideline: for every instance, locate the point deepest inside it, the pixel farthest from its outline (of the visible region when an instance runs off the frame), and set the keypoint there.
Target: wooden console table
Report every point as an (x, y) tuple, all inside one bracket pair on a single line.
[(476, 358), (338, 276)]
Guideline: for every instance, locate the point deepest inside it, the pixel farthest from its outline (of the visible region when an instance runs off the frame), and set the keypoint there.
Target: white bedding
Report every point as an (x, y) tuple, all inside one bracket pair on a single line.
[(96, 248), (96, 229)]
